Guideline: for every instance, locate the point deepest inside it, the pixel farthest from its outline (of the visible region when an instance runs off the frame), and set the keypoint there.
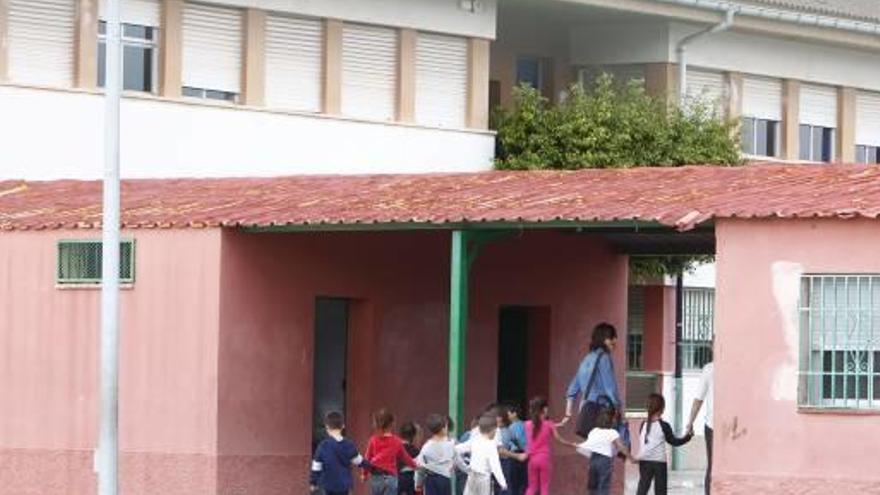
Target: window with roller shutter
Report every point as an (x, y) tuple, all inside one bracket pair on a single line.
[(441, 80), (761, 116), (369, 72), (41, 41), (818, 123), (706, 88), (140, 36), (867, 127), (212, 46), (294, 62)]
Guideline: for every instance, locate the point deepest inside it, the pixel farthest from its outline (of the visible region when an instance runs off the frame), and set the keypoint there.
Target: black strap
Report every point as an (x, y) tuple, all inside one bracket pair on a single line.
[(593, 376)]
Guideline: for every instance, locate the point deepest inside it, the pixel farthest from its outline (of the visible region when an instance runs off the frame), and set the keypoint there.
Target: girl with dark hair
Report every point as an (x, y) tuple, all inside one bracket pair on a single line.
[(653, 437), (539, 429), (594, 380)]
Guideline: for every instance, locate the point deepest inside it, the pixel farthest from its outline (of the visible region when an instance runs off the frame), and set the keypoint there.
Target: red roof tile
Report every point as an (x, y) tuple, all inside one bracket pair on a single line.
[(677, 197)]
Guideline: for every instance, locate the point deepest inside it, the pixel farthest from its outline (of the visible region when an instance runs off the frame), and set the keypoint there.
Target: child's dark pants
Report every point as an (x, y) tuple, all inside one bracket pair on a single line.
[(436, 484), (601, 468), (652, 471)]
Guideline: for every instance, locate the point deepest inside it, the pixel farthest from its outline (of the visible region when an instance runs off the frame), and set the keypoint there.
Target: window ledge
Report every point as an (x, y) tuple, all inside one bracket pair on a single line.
[(88, 286), (201, 102), (636, 414), (838, 411)]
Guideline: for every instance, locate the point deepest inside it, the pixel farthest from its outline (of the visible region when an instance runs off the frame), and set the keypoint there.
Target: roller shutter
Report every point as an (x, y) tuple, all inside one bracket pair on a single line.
[(762, 98), (140, 12), (706, 87), (41, 41), (294, 62), (868, 119), (369, 71), (441, 80), (212, 44), (818, 106)]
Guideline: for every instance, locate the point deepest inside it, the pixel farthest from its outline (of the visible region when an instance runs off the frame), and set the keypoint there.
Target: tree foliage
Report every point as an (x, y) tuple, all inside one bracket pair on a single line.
[(614, 126), (610, 126)]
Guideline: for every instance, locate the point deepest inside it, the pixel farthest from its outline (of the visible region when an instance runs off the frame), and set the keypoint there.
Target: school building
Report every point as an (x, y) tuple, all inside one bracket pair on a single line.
[(252, 305)]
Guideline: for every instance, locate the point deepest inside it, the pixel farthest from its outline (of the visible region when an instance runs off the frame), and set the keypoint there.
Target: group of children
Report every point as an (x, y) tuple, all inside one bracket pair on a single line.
[(500, 454)]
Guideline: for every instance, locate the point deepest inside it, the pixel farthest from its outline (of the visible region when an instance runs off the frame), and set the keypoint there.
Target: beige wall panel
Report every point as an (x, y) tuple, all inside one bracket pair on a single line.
[(661, 80), (790, 118), (87, 44), (735, 90), (846, 125), (478, 84), (171, 50), (406, 76), (332, 66), (254, 76)]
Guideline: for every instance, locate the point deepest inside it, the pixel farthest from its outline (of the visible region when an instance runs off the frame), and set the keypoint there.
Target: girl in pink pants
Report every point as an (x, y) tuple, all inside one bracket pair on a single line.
[(539, 429)]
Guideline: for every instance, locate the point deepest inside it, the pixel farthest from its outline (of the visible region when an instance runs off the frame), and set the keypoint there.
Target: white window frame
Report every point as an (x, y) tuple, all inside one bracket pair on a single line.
[(140, 43), (832, 155), (777, 137)]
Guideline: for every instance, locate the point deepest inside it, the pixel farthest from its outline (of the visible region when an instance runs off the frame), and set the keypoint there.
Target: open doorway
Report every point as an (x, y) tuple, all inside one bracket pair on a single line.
[(523, 354), (330, 361)]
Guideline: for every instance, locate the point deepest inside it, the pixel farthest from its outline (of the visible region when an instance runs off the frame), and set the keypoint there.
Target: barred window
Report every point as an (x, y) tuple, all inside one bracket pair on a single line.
[(839, 348), (635, 328), (79, 262), (698, 327)]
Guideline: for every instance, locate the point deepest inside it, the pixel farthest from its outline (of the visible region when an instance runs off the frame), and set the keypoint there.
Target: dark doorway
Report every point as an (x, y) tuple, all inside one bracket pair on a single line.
[(523, 354), (330, 358)]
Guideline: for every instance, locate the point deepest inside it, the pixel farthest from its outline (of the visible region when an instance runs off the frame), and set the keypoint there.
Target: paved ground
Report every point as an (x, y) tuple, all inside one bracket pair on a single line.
[(680, 482)]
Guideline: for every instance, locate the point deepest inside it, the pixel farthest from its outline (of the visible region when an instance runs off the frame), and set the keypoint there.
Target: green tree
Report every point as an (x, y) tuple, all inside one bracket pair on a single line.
[(613, 126)]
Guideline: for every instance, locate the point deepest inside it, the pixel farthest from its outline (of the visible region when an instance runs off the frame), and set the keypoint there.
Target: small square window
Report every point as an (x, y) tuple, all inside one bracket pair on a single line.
[(79, 262), (528, 71)]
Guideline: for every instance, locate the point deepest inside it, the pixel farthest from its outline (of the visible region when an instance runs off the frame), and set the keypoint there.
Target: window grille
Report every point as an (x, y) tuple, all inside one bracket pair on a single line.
[(79, 262), (839, 347), (635, 328), (698, 327)]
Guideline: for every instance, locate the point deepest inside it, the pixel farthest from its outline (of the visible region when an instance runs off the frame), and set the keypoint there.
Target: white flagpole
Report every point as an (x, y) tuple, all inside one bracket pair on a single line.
[(108, 442)]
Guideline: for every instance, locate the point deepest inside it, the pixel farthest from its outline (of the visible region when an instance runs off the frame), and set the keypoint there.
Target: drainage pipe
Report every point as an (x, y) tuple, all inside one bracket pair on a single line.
[(681, 51)]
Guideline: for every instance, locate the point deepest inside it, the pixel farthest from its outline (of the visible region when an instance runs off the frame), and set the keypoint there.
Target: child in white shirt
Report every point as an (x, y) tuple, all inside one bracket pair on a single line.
[(601, 446), (653, 437), (485, 461)]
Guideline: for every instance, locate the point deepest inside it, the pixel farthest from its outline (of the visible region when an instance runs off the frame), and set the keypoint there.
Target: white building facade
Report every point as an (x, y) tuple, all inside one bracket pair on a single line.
[(249, 88)]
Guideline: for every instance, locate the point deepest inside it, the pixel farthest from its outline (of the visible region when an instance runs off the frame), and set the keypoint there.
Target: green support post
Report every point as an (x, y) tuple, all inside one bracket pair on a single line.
[(458, 313)]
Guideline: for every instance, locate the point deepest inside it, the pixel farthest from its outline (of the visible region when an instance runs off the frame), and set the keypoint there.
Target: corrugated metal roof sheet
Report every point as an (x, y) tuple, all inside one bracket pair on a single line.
[(676, 197)]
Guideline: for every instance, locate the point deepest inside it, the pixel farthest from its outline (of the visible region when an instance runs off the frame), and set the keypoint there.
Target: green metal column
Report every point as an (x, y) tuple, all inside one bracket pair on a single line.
[(458, 313)]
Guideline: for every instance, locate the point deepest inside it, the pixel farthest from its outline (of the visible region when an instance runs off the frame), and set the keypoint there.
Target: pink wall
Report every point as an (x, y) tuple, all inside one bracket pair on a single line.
[(399, 333), (217, 348), (659, 339), (763, 443), (49, 341)]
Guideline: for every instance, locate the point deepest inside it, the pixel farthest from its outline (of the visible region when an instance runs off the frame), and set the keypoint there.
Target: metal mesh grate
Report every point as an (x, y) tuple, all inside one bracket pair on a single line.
[(839, 347), (698, 328), (79, 262)]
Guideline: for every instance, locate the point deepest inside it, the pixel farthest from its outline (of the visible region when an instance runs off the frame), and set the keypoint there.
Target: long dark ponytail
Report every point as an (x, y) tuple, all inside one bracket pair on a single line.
[(656, 404), (536, 408)]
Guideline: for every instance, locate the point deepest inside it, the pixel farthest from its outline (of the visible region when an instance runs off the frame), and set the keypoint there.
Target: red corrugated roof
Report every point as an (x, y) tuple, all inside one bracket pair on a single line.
[(677, 197)]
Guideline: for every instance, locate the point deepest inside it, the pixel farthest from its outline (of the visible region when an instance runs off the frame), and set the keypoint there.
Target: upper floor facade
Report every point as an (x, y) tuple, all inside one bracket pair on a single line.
[(248, 87), (805, 82), (280, 87)]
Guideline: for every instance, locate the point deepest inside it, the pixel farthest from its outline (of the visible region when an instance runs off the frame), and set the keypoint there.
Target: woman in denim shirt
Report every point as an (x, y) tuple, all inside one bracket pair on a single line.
[(603, 341)]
